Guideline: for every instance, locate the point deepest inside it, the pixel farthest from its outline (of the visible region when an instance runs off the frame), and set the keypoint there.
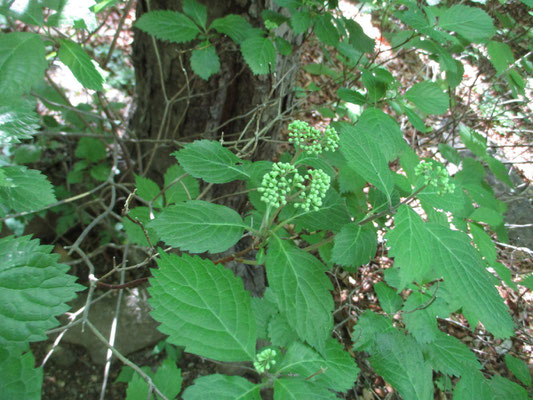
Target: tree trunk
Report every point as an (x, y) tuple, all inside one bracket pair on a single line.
[(234, 106)]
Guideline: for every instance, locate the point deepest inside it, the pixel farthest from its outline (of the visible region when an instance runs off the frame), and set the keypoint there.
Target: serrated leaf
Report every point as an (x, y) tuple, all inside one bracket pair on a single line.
[(412, 260), (280, 332), (18, 377), (499, 170), (302, 290), (472, 386), (29, 190), (22, 63), (473, 141), (300, 21), (134, 231), (205, 62), (519, 369), (263, 309), (18, 120), (147, 189), (260, 55), (351, 96), (338, 370), (398, 359), (283, 46), (325, 30), (505, 389), (198, 226), (389, 300), (365, 156), (203, 307), (168, 379), (487, 215), (428, 97), (80, 64), (90, 149), (415, 119), (472, 23), (358, 38), (196, 11), (450, 356), (296, 389), (501, 55), (420, 313), (235, 26), (210, 161), (483, 242), (369, 325), (35, 289), (354, 245), (222, 387), (186, 187), (168, 25)]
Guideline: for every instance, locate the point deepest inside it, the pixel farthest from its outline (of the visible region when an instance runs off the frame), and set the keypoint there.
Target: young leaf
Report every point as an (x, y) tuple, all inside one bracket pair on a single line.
[(18, 120), (198, 226), (235, 26), (35, 289), (260, 55), (451, 356), (147, 189), (18, 377), (168, 379), (29, 190), (519, 369), (389, 300), (472, 23), (80, 64), (205, 62), (22, 63), (168, 25), (428, 97), (196, 11), (355, 245), (398, 359), (302, 290), (222, 387), (203, 307), (210, 161)]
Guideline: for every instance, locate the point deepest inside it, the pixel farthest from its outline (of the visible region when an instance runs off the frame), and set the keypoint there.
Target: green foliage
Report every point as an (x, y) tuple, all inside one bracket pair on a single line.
[(20, 380), (79, 62)]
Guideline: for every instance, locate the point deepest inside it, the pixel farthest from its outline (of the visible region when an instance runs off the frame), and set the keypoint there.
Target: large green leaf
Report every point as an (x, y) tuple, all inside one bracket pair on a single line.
[(205, 62), (235, 26), (168, 25), (297, 389), (203, 307), (389, 300), (399, 360), (364, 154), (196, 11), (18, 378), (222, 387), (338, 370), (451, 356), (260, 55), (29, 190), (369, 325), (210, 161), (34, 289), (501, 55), (325, 30), (199, 226), (428, 97), (503, 388), (302, 290), (179, 185), (18, 120), (22, 63), (472, 23), (519, 369), (80, 64), (420, 313), (472, 386), (354, 245)]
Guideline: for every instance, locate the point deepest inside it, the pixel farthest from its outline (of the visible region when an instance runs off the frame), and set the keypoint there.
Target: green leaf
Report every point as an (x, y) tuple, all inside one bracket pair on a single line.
[(364, 154), (483, 242), (263, 309), (300, 21), (196, 11), (505, 389), (134, 231), (147, 189), (398, 359), (302, 290), (338, 370), (499, 170), (280, 332), (415, 119), (205, 62), (260, 55), (80, 64), (519, 369), (198, 226), (210, 161), (74, 13), (283, 46), (186, 188), (501, 56), (222, 387), (428, 97), (168, 379), (91, 149), (235, 26), (472, 386), (412, 259), (355, 245), (18, 120), (351, 96), (451, 356), (29, 190), (473, 141), (472, 23), (332, 216), (449, 153), (168, 25), (22, 63), (358, 38), (487, 215), (18, 378), (30, 12), (420, 313), (295, 389), (325, 30), (203, 307), (27, 154), (389, 300), (369, 325), (34, 290)]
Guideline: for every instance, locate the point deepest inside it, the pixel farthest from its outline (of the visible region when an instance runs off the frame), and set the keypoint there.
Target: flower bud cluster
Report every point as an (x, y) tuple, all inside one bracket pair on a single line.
[(318, 186), (311, 140), (278, 183), (436, 176), (265, 360)]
